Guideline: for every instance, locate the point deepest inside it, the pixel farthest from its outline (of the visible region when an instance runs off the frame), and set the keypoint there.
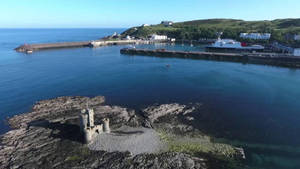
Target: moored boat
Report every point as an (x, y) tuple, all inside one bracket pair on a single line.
[(232, 45)]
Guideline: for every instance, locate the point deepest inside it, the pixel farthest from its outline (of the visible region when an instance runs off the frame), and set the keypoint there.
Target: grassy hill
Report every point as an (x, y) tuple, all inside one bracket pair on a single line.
[(194, 30)]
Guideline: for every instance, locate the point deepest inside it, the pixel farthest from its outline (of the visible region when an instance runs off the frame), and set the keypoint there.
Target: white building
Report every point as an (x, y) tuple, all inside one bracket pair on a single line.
[(172, 39), (297, 52), (167, 23), (128, 37), (114, 34), (145, 25), (292, 37), (159, 37), (297, 37), (256, 36)]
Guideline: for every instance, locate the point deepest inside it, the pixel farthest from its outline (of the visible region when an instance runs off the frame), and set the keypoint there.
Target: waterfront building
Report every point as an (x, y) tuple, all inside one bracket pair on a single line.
[(296, 37), (114, 34), (282, 48), (292, 37), (286, 49), (128, 37), (172, 39), (159, 37), (167, 23), (297, 52), (256, 36)]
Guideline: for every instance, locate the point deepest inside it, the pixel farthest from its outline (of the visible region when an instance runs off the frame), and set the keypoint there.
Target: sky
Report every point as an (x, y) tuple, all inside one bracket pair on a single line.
[(128, 13)]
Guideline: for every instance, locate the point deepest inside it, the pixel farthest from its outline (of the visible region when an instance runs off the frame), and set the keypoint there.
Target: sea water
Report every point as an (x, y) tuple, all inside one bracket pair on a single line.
[(251, 106)]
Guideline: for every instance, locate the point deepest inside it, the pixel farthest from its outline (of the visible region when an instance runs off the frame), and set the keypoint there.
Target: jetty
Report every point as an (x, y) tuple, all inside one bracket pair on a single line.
[(29, 48), (282, 60)]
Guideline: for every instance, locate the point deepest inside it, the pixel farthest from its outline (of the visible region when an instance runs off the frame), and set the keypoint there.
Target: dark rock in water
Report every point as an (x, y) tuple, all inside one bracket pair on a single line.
[(49, 137)]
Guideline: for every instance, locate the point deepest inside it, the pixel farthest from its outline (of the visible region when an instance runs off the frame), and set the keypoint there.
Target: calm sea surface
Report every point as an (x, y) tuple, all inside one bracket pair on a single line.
[(251, 106)]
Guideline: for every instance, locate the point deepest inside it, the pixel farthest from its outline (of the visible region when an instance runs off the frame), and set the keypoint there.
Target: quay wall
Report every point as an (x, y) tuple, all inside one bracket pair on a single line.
[(34, 47), (245, 58), (29, 48)]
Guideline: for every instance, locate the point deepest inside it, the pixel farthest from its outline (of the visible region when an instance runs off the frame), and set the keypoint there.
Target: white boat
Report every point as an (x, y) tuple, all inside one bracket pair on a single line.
[(29, 51), (232, 45)]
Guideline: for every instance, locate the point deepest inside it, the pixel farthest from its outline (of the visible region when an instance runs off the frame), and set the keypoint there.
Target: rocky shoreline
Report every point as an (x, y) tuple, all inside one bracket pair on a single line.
[(49, 137)]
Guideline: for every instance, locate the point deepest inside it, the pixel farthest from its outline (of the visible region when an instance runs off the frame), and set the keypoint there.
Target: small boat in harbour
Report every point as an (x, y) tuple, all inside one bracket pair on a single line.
[(231, 45), (29, 51)]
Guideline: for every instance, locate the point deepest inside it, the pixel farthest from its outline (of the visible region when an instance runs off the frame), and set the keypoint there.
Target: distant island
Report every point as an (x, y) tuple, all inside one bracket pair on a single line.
[(284, 31)]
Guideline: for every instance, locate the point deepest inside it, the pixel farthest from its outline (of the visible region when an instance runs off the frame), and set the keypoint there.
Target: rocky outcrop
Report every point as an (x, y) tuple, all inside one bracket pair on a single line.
[(56, 110), (155, 112), (49, 137), (170, 116)]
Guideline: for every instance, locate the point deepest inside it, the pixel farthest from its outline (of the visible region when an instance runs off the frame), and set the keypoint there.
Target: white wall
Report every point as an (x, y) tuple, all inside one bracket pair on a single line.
[(256, 35), (159, 37)]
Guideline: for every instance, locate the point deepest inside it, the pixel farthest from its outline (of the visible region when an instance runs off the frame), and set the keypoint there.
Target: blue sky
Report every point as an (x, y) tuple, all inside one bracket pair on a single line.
[(127, 13)]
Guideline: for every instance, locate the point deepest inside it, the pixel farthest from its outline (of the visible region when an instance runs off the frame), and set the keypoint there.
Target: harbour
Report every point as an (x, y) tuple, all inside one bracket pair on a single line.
[(238, 99), (159, 84)]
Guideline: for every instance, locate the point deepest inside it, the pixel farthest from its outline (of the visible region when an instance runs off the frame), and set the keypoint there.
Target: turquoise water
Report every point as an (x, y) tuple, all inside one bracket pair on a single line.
[(252, 106)]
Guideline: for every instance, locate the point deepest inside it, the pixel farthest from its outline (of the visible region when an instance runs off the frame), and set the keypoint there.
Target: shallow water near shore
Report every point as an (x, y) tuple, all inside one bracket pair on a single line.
[(252, 106)]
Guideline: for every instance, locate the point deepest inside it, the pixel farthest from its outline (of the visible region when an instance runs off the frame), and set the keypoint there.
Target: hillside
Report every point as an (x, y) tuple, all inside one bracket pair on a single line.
[(194, 30)]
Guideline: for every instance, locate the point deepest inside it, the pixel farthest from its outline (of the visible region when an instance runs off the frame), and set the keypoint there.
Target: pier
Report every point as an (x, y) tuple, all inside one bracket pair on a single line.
[(251, 58), (29, 48)]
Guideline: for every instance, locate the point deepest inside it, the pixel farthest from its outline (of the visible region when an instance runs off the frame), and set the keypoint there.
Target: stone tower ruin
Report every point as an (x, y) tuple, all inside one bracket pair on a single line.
[(88, 128), (106, 125)]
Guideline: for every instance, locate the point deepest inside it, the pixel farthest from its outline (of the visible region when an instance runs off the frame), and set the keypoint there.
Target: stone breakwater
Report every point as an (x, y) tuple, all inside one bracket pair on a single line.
[(49, 137), (245, 58), (29, 48)]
